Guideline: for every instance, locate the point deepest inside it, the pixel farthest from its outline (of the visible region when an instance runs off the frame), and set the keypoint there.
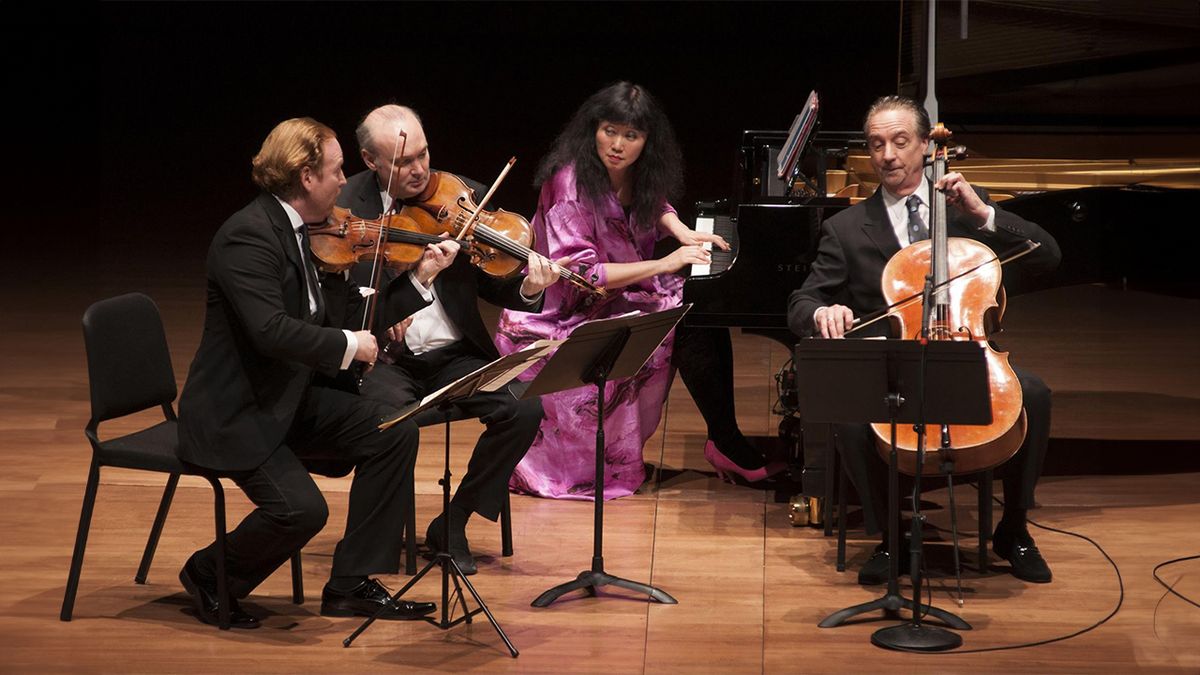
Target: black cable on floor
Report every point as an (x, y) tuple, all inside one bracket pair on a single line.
[(1094, 626), (1171, 588)]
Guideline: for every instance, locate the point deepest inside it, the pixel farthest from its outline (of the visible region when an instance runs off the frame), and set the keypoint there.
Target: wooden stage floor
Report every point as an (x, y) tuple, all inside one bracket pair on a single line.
[(751, 588)]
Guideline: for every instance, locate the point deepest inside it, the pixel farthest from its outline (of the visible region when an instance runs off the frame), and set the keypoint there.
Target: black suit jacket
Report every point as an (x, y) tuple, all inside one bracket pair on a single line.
[(857, 243), (258, 351), (458, 286)]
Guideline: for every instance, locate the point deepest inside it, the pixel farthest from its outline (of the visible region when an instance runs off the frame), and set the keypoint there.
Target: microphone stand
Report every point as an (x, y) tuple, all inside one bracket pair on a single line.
[(915, 635)]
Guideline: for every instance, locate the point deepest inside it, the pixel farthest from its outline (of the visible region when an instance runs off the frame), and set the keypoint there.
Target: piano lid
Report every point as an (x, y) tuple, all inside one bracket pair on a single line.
[(1043, 78)]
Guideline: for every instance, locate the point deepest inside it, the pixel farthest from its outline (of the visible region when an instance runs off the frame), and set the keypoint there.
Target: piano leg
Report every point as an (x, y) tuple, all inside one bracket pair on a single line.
[(808, 507)]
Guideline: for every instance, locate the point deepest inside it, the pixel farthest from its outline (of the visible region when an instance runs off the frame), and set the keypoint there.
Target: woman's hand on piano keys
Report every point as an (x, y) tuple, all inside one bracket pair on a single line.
[(690, 254), (689, 237), (694, 238)]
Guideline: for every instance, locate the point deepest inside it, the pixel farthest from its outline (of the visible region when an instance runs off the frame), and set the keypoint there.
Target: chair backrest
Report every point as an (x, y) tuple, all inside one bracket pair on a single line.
[(129, 366)]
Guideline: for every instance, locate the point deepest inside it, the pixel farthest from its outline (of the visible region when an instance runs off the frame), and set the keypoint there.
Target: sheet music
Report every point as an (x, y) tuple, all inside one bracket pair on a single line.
[(535, 351), (498, 373), (798, 135)]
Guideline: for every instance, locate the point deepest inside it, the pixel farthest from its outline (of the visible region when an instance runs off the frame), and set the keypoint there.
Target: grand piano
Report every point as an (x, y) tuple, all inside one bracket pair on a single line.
[(772, 225)]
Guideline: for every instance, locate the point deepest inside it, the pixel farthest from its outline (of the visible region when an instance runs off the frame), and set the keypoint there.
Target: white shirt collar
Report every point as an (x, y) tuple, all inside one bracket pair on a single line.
[(292, 214), (897, 207), (890, 200)]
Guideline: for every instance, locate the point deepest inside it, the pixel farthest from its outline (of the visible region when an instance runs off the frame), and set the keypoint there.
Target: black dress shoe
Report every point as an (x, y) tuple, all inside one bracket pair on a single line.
[(1018, 549), (367, 598), (204, 599), (875, 570), (457, 546)]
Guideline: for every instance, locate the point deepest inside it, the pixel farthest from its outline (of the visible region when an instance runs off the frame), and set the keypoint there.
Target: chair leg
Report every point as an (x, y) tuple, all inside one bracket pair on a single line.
[(410, 530), (985, 517), (506, 548), (832, 469), (81, 535), (156, 530), (841, 518), (222, 579), (297, 580)]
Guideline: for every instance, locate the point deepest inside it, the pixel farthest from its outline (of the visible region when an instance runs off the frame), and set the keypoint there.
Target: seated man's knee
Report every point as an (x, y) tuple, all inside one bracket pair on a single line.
[(1035, 393), (529, 412), (402, 439), (308, 514), (523, 413)]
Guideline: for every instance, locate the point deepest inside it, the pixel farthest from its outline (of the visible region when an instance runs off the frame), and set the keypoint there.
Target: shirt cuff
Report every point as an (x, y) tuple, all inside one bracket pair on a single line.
[(351, 348), (528, 300), (989, 225), (426, 293), (815, 313)]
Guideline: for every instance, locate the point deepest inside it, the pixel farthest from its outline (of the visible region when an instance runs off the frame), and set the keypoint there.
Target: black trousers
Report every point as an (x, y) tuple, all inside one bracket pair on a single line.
[(332, 428), (704, 357), (1019, 474), (512, 424)]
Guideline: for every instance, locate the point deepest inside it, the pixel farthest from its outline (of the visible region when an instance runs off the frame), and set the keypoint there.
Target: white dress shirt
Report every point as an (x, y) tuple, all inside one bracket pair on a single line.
[(897, 211), (297, 222)]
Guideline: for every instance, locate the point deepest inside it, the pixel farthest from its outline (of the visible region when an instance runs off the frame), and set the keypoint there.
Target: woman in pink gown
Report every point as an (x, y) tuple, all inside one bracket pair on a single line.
[(604, 203)]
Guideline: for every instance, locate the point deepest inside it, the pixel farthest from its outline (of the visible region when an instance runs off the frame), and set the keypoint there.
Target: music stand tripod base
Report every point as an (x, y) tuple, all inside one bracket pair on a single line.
[(891, 603), (591, 580), (594, 353), (450, 569)]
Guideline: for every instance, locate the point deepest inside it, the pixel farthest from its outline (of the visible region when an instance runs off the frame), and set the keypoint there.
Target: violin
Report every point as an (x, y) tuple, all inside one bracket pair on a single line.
[(501, 240), (960, 311), (344, 239)]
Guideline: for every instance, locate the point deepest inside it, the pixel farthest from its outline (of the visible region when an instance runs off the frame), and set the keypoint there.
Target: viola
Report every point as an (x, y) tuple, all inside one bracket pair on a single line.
[(963, 310), (501, 240)]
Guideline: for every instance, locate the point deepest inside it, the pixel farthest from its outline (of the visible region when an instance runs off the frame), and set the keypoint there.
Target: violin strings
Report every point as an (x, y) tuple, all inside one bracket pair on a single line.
[(511, 247)]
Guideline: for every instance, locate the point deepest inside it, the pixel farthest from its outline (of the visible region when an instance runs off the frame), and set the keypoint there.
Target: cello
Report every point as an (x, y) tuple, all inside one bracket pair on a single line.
[(960, 311)]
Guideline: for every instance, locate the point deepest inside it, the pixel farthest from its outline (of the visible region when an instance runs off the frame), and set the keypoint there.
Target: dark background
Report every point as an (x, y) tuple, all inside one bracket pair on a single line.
[(188, 92), (185, 93)]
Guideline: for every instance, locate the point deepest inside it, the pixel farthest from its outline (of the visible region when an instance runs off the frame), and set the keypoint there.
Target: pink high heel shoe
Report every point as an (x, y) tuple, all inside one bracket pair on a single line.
[(727, 467)]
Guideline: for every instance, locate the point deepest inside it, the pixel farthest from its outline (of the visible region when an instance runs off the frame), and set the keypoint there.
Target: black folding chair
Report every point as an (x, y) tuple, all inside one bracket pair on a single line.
[(983, 478), (129, 370)]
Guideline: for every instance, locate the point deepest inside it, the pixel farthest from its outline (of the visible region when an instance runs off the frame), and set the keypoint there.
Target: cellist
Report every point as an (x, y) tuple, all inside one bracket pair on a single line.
[(844, 283)]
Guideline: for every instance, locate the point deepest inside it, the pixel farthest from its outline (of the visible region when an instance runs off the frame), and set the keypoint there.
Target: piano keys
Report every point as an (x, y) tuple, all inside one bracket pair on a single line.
[(772, 245)]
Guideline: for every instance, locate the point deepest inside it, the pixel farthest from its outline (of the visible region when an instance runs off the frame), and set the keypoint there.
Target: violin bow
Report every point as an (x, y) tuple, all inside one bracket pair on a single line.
[(479, 206), (1018, 251), (372, 293)]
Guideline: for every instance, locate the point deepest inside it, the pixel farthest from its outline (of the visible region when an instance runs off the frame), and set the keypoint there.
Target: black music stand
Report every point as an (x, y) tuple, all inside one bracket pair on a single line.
[(491, 377), (594, 353), (883, 383)]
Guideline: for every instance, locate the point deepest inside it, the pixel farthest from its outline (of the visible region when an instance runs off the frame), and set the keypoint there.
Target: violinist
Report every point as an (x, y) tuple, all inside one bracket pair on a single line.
[(251, 412), (446, 338), (845, 283)]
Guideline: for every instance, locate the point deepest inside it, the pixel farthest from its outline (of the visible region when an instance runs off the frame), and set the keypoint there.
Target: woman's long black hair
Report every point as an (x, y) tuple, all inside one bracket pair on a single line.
[(657, 173)]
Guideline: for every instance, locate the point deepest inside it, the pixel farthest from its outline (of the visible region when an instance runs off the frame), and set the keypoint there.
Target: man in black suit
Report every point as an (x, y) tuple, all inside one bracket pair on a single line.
[(845, 282), (446, 338), (249, 410)]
